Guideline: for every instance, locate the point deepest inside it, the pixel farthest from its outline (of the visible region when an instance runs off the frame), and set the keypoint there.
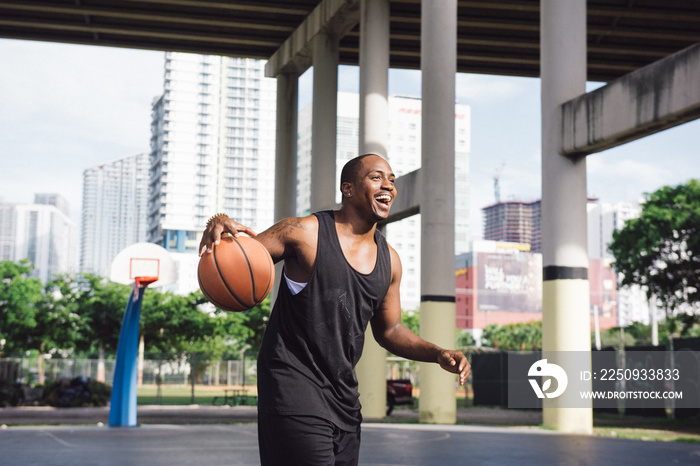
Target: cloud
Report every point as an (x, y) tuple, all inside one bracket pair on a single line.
[(478, 89), (68, 107), (625, 179), (349, 78), (405, 82), (627, 169)]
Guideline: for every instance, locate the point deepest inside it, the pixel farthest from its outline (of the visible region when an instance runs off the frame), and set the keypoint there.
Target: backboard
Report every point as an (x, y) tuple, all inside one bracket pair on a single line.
[(144, 264)]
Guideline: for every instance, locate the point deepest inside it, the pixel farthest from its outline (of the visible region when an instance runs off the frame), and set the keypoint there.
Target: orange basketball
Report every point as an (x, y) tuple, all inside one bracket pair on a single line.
[(237, 275)]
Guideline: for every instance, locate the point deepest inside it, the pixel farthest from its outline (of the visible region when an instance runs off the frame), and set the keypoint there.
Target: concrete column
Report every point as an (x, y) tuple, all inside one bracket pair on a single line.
[(437, 311), (324, 121), (285, 156), (286, 146), (565, 301), (374, 137), (374, 76)]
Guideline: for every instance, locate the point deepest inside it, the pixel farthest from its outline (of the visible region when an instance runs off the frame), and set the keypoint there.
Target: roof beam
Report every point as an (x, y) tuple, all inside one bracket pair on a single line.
[(253, 5), (652, 15), (651, 99), (166, 18), (140, 34), (336, 17)]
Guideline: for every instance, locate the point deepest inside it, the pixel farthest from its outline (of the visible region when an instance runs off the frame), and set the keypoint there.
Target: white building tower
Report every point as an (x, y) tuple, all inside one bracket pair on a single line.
[(212, 150), (115, 205), (41, 232), (603, 219)]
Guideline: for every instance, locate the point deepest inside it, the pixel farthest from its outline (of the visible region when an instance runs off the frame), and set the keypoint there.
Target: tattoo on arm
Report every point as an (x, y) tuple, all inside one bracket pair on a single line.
[(281, 230)]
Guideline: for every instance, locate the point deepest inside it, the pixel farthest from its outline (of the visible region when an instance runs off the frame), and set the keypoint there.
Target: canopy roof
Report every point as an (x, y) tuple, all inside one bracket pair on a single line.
[(494, 36)]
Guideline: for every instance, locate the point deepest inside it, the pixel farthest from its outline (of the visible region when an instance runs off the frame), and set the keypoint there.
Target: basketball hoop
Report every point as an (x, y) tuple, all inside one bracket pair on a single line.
[(143, 264), (144, 281), (141, 282)]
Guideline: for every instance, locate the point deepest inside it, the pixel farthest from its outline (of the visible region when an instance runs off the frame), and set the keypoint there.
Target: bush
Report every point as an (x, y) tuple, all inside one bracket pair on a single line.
[(10, 394), (77, 392)]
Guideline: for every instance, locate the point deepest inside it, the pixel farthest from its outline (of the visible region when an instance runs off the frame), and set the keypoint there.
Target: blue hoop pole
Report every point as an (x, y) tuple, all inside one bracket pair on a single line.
[(122, 411)]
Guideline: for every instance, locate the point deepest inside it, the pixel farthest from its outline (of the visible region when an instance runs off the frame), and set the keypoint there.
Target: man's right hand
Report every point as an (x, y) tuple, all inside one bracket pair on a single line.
[(218, 226)]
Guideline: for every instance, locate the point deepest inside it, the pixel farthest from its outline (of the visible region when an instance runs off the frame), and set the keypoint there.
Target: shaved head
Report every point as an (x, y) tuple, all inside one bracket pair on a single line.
[(352, 169)]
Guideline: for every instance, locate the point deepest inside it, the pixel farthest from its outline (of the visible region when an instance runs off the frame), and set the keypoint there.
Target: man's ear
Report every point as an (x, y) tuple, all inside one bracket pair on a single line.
[(347, 189)]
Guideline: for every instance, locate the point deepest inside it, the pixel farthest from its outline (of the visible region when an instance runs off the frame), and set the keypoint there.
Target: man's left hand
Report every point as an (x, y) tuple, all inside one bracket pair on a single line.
[(455, 362)]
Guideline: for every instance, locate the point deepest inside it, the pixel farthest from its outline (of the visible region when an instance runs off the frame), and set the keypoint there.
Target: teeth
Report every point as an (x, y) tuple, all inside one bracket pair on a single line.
[(384, 197)]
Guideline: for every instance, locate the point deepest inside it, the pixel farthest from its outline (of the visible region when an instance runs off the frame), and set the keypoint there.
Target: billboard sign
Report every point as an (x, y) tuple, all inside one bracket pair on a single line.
[(509, 282)]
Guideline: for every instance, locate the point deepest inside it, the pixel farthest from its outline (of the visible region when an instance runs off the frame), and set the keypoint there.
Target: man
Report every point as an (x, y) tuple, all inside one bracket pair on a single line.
[(339, 275)]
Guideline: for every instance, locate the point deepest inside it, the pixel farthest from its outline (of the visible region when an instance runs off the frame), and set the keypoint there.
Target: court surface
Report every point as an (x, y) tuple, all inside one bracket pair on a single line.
[(382, 444)]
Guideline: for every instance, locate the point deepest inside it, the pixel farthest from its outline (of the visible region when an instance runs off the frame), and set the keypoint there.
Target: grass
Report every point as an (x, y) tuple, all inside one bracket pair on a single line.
[(651, 435), (179, 395)]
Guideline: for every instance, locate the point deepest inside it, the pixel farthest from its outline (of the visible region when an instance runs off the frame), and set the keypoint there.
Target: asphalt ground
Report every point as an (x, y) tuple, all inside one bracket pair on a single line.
[(382, 444), (216, 435), (205, 414)]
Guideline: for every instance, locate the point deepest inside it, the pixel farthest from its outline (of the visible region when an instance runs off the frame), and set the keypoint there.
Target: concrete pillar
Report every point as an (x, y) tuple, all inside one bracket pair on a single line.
[(374, 76), (286, 146), (437, 311), (565, 302), (285, 156), (374, 137), (323, 121)]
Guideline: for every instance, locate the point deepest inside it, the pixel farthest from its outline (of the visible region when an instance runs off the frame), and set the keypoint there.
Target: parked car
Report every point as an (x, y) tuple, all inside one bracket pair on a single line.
[(398, 392)]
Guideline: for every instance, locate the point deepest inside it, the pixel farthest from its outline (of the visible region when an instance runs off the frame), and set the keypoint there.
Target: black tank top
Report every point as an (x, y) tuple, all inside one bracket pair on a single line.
[(314, 339)]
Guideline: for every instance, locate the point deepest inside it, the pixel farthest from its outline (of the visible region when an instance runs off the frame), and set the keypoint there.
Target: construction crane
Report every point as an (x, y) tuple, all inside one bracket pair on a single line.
[(496, 182)]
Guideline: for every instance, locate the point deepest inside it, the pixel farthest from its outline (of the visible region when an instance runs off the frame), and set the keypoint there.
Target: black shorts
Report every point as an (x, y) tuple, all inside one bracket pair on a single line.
[(305, 440)]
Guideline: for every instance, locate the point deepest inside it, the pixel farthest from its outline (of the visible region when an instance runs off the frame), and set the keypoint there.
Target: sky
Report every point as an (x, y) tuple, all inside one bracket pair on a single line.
[(65, 108)]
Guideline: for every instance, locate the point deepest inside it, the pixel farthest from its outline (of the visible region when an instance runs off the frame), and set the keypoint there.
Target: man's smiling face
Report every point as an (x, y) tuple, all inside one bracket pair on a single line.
[(374, 186)]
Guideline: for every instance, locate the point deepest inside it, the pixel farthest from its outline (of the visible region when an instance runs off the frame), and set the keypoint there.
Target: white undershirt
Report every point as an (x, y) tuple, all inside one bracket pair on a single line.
[(294, 287)]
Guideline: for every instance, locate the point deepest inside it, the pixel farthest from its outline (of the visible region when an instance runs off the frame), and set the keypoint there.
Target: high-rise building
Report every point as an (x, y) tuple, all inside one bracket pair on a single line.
[(603, 219), (212, 150), (53, 199), (514, 221), (7, 231), (404, 155), (115, 206), (212, 147), (42, 233)]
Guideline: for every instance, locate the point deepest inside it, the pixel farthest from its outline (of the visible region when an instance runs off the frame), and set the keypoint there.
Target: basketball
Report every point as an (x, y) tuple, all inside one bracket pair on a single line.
[(237, 274)]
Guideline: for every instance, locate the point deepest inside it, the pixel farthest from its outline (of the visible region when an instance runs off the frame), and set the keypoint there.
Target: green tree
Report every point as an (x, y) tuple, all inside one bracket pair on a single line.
[(641, 333), (490, 336), (523, 336), (59, 325), (530, 336), (464, 338), (102, 304), (411, 319), (173, 323), (660, 250), (617, 338), (20, 296), (246, 328)]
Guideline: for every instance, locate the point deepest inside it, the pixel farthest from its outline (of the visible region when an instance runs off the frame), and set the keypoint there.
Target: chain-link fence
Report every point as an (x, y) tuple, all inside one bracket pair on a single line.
[(154, 368), (162, 369)]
